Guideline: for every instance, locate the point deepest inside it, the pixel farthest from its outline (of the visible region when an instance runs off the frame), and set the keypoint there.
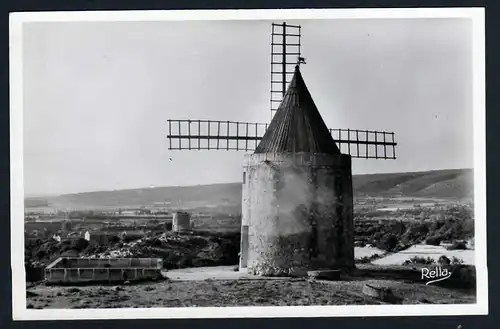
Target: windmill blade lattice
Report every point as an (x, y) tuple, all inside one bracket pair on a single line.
[(245, 136), (285, 54)]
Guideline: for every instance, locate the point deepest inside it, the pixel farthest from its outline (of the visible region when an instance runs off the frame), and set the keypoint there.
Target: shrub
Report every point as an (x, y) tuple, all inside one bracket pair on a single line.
[(155, 243), (129, 238), (79, 244), (114, 239), (459, 245), (397, 227), (364, 260), (444, 261), (456, 261), (468, 227), (419, 229), (378, 236), (402, 246), (436, 225), (184, 262), (388, 243), (41, 254), (419, 260), (70, 253), (434, 240), (360, 244)]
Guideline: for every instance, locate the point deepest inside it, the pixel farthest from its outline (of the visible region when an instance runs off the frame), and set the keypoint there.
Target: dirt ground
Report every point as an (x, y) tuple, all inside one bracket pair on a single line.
[(241, 292)]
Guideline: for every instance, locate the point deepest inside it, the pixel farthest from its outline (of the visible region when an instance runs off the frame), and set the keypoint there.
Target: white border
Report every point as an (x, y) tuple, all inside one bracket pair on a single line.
[(17, 188)]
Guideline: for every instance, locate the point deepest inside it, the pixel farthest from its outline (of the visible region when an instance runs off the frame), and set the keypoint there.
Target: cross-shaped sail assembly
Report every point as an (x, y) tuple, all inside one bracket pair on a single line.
[(296, 124)]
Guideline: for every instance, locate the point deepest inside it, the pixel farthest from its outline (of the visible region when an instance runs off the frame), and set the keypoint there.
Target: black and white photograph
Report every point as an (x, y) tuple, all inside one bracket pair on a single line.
[(249, 163)]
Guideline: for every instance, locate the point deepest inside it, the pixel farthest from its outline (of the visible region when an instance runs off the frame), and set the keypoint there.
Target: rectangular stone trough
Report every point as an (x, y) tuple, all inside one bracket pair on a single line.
[(66, 270)]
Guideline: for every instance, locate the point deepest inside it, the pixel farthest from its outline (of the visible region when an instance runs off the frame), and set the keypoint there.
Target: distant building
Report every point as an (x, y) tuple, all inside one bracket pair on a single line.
[(66, 226), (87, 236), (181, 221)]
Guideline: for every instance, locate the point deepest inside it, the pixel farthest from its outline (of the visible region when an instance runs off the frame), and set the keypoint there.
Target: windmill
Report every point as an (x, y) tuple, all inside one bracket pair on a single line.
[(295, 152)]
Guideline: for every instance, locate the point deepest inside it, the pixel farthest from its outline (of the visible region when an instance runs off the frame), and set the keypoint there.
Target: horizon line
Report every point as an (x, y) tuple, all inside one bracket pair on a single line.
[(220, 183)]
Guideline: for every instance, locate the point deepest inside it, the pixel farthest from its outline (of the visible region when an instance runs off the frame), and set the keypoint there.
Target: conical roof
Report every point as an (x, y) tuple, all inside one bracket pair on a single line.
[(297, 125)]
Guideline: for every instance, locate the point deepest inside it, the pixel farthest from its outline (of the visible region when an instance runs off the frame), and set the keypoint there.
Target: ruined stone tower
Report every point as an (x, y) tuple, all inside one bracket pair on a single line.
[(297, 209), (181, 222)]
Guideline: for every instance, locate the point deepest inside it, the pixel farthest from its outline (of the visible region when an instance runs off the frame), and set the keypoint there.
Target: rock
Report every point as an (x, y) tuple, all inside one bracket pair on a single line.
[(381, 293), (31, 294), (117, 288), (424, 301), (325, 274)]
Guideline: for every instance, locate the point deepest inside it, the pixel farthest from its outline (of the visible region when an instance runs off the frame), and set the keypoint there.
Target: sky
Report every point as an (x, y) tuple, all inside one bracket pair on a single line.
[(97, 95)]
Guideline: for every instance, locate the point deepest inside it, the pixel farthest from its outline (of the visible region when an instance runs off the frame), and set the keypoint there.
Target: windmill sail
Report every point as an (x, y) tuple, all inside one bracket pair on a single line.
[(285, 52), (246, 136), (214, 135), (297, 125)]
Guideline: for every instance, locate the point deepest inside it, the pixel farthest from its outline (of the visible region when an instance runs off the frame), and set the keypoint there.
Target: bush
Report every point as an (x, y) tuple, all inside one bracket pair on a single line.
[(434, 240), (129, 238), (419, 261), (419, 229), (388, 243), (364, 260), (184, 262), (360, 244), (436, 225), (70, 253), (114, 239), (456, 261), (41, 254), (444, 261), (378, 236), (459, 245), (79, 244)]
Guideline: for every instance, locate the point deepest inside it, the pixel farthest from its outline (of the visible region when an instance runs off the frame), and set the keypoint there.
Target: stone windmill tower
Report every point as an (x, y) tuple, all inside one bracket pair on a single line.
[(297, 207)]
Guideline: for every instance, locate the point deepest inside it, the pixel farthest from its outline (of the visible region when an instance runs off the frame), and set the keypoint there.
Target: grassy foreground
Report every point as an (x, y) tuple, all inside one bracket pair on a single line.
[(210, 293)]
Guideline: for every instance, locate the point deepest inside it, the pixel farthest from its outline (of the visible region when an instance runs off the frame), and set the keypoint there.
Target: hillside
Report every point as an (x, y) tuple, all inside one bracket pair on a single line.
[(456, 183), (227, 197)]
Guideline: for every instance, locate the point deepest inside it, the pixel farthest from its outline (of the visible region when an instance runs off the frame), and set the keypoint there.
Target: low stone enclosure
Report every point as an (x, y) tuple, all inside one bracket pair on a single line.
[(66, 270)]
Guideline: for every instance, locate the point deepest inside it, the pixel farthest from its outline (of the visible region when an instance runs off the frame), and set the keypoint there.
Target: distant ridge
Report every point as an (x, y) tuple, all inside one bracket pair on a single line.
[(456, 183)]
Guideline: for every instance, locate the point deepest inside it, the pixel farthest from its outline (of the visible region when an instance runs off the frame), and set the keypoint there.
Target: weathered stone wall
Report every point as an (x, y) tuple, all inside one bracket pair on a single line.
[(81, 270), (70, 262), (181, 222), (299, 211), (81, 275)]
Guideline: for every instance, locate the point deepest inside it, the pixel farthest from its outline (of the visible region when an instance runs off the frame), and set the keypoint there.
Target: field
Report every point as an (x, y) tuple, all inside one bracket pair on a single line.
[(409, 219), (237, 293)]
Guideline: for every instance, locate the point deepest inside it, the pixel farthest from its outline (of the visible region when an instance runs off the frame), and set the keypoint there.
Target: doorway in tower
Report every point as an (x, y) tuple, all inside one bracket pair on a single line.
[(244, 246)]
